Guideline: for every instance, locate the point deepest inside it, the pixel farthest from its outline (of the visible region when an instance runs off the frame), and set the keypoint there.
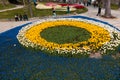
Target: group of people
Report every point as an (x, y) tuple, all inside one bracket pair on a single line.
[(86, 2), (21, 17)]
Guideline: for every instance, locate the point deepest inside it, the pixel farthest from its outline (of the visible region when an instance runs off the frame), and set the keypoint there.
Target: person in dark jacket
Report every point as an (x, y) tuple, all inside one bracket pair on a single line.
[(99, 9), (68, 9), (25, 17), (20, 17)]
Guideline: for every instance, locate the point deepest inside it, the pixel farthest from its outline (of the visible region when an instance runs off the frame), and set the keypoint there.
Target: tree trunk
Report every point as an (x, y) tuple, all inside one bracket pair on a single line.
[(3, 2), (30, 8), (107, 9), (24, 2), (119, 4)]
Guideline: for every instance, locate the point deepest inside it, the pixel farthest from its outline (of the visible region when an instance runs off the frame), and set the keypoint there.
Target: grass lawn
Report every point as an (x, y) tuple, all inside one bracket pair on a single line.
[(6, 7), (65, 34), (114, 7), (36, 12)]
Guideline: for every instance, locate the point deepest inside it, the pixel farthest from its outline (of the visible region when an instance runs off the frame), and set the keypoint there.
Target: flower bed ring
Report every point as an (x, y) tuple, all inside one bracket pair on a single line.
[(97, 42)]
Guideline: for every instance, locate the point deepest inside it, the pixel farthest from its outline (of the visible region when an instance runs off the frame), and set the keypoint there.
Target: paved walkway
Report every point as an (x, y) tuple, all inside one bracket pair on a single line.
[(4, 26), (93, 11)]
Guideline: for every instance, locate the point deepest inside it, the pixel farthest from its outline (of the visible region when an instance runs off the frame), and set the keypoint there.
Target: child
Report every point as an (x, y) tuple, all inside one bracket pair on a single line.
[(53, 11)]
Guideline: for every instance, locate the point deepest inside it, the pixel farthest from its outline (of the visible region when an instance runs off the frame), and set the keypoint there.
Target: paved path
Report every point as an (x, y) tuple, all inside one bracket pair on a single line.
[(4, 26), (93, 11)]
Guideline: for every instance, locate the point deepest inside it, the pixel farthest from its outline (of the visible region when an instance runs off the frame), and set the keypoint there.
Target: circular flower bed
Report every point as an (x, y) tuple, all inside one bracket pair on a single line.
[(59, 7), (103, 37)]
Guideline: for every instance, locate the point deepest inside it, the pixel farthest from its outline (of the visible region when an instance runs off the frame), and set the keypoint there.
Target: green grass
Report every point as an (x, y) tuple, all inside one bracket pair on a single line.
[(6, 7), (114, 6), (36, 12), (10, 14), (65, 34), (83, 10)]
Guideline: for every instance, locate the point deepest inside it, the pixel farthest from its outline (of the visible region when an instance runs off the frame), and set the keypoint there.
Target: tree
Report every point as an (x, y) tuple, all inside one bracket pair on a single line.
[(24, 2), (107, 13), (3, 2), (30, 8), (119, 4)]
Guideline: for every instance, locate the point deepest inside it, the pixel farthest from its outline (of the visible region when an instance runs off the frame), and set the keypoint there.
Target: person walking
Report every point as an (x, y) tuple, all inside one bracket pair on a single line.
[(99, 9), (54, 12), (95, 4), (68, 9), (84, 2)]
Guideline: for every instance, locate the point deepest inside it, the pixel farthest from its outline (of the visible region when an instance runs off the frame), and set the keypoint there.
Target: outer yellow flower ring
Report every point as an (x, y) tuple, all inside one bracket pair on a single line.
[(98, 38)]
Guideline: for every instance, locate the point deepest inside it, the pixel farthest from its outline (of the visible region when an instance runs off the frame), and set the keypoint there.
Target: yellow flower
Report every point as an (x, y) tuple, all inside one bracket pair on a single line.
[(97, 39)]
